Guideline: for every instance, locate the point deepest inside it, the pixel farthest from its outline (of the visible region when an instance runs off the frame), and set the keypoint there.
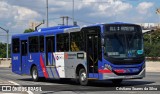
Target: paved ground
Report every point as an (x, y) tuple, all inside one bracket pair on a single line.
[(152, 66), (5, 63), (69, 87)]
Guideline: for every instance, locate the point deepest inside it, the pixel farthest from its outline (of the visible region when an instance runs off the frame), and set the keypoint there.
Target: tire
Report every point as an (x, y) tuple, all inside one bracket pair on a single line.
[(117, 81), (34, 74), (83, 77)]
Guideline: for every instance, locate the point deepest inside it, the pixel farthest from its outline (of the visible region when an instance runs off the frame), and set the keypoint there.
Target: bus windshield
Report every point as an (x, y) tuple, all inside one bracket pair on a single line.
[(123, 44)]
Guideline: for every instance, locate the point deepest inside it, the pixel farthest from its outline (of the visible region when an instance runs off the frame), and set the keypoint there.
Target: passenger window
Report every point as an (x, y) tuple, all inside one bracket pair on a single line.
[(62, 42), (50, 44), (33, 44), (15, 45), (76, 41)]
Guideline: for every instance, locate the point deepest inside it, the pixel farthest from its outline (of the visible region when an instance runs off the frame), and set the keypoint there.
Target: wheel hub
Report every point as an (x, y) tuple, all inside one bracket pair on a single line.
[(83, 76), (34, 74)]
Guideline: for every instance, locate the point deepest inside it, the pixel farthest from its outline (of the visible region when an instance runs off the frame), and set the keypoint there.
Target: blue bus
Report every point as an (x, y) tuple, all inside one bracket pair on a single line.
[(98, 52)]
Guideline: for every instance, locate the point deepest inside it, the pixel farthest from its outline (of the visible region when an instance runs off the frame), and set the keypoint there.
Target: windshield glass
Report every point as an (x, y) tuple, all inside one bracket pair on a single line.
[(123, 45)]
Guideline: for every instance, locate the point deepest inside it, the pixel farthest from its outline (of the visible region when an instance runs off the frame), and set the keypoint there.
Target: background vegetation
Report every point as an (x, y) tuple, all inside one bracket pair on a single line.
[(28, 30), (3, 50), (152, 44)]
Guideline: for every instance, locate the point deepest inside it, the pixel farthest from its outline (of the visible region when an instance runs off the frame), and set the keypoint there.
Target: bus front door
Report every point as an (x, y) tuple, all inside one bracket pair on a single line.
[(92, 54), (23, 56)]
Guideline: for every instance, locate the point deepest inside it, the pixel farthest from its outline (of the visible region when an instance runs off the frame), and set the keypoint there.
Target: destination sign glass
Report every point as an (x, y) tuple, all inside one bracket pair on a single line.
[(125, 28)]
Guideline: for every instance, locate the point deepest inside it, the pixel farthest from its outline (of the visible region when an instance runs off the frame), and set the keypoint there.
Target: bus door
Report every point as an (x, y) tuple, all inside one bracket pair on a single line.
[(23, 56), (50, 48), (92, 54)]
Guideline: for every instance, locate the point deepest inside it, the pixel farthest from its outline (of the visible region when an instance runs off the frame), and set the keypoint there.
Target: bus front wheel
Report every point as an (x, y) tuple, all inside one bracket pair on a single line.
[(83, 77), (35, 74)]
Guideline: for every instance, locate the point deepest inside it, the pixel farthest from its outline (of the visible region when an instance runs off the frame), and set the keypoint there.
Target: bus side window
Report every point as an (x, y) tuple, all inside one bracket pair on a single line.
[(15, 45), (62, 42), (76, 41), (33, 44), (50, 44)]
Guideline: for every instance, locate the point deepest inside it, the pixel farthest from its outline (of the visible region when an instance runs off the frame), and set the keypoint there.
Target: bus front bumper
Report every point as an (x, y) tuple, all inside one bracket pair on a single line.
[(107, 76)]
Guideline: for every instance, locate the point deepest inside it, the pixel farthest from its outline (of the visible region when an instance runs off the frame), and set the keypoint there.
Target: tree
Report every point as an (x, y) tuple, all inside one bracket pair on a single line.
[(152, 49), (28, 30), (3, 50)]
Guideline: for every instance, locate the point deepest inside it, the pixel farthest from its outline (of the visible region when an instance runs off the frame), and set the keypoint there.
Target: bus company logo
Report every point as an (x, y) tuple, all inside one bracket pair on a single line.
[(127, 71), (58, 57), (30, 58), (15, 58), (129, 54), (135, 70)]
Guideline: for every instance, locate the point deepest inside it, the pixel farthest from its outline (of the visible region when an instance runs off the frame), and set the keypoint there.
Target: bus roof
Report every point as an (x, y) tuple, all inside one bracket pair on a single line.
[(49, 30), (56, 28), (60, 29), (100, 24)]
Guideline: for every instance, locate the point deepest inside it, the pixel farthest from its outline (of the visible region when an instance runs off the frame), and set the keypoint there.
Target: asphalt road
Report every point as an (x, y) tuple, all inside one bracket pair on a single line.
[(70, 87)]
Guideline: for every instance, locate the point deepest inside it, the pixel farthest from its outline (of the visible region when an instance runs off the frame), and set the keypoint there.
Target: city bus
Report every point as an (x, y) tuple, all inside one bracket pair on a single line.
[(111, 52)]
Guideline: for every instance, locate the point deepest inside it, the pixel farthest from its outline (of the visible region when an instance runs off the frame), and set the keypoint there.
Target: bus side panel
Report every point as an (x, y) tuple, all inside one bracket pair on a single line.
[(71, 61), (16, 63), (53, 71), (100, 69), (41, 73), (34, 59), (24, 64), (59, 59)]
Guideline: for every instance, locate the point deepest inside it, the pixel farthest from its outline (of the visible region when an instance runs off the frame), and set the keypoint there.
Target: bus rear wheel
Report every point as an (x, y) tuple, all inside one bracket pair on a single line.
[(83, 77), (35, 74)]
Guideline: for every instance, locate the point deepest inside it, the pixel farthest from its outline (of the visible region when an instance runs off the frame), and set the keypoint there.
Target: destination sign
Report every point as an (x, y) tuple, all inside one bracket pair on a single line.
[(122, 28)]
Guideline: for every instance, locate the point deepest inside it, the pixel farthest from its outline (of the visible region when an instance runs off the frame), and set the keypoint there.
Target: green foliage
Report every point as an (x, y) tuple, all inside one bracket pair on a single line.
[(28, 30), (152, 44), (3, 50)]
